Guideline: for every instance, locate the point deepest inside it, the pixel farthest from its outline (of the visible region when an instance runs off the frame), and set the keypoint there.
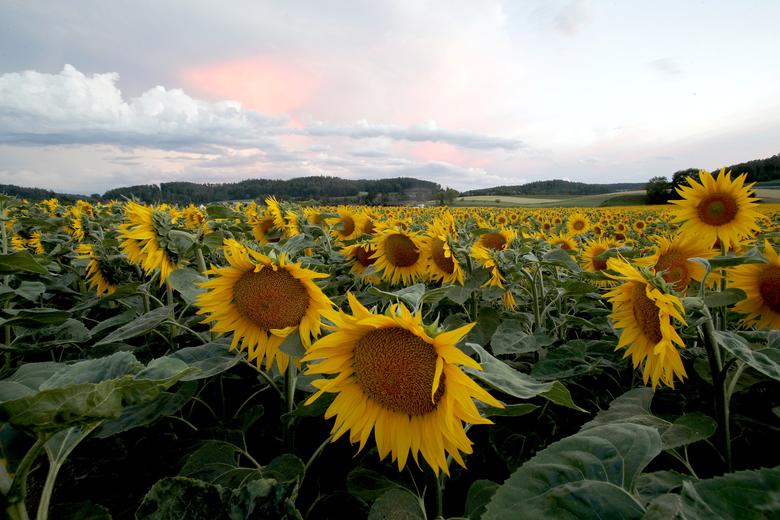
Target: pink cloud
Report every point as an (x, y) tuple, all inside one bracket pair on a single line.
[(443, 152), (268, 84)]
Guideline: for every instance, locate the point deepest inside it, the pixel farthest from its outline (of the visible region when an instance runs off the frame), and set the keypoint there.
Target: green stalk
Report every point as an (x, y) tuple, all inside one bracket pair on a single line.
[(707, 333), (17, 494), (6, 278), (201, 260), (290, 377)]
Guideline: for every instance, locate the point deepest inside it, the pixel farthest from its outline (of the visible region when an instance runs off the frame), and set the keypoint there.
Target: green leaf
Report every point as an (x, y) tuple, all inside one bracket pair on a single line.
[(367, 485), (214, 241), (166, 404), (185, 281), (510, 410), (657, 483), (511, 338), (458, 294), (724, 298), (722, 262), (31, 290), (631, 407), (397, 504), (561, 258), (22, 261), (216, 212), (411, 295), (765, 358), (87, 392), (210, 359), (634, 407), (577, 357), (689, 428), (180, 241), (141, 325), (181, 498), (591, 474), (746, 495), (501, 376), (293, 346), (35, 318), (479, 495)]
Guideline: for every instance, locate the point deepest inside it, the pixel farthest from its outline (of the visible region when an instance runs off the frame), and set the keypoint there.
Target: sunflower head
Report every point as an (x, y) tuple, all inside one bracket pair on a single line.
[(262, 301), (644, 314), (396, 377), (671, 260), (577, 224), (761, 283), (442, 264), (145, 239), (361, 258), (399, 255), (717, 208)]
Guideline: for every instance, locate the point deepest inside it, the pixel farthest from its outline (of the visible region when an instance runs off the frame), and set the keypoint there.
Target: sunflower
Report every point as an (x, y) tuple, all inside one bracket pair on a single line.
[(361, 257), (484, 258), (640, 226), (644, 314), (262, 301), (313, 216), (442, 265), (345, 226), (99, 278), (591, 252), (577, 224), (563, 241), (194, 218), (143, 239), (761, 283), (671, 260), (396, 377), (399, 255), (497, 240), (717, 209)]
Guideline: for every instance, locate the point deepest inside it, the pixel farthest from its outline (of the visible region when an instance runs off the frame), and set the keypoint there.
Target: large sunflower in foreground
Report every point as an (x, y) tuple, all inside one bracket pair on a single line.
[(644, 314), (717, 209), (671, 260), (262, 301), (142, 239), (761, 283), (399, 255), (394, 378)]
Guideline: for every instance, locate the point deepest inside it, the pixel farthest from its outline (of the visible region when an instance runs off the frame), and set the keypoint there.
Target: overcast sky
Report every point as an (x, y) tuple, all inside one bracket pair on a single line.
[(96, 95)]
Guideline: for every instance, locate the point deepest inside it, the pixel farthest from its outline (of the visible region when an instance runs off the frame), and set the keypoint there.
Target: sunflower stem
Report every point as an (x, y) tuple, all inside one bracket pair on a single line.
[(201, 261), (17, 494), (290, 376), (170, 301), (707, 333)]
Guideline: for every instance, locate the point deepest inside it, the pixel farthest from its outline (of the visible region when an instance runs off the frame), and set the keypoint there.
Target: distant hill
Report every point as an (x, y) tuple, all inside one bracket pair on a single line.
[(557, 187), (320, 189), (36, 193)]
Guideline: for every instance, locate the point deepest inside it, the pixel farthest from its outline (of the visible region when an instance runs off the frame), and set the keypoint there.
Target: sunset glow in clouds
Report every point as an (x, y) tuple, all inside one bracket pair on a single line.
[(470, 94)]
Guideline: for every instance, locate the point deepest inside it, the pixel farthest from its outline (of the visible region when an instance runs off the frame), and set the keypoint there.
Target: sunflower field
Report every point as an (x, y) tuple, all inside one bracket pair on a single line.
[(266, 360)]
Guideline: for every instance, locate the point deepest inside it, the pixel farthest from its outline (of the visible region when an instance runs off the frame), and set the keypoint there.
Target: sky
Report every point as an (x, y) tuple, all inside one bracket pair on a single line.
[(470, 94)]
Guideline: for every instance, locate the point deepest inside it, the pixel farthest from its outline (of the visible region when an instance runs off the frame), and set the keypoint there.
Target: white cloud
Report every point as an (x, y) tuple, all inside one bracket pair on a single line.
[(73, 108)]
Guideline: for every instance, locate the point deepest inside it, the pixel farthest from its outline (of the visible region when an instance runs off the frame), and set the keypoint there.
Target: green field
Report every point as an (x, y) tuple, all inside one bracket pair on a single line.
[(623, 198)]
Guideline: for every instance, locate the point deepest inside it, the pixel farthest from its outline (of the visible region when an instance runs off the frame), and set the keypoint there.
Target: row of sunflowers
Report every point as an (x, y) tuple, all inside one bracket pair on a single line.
[(248, 338)]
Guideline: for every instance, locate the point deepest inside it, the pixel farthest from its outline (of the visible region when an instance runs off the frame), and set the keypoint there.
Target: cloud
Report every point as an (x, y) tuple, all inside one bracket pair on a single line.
[(73, 108), (572, 17), (666, 67), (417, 133)]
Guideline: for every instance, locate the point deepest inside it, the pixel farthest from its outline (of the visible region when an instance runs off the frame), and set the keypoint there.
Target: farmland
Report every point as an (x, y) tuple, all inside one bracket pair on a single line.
[(542, 358)]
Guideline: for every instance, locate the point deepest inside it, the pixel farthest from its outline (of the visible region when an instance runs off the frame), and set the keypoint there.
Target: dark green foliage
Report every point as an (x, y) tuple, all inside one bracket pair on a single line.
[(557, 187), (658, 190)]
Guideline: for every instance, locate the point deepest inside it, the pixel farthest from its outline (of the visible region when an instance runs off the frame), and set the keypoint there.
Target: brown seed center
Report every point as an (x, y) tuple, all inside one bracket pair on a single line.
[(769, 287), (578, 225), (347, 226), (717, 209), (363, 256), (494, 241), (599, 265), (401, 251), (675, 270), (445, 263), (646, 314), (271, 299), (395, 368)]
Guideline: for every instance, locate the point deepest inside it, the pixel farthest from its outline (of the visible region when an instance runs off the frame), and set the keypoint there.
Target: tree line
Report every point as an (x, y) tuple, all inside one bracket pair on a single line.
[(557, 187), (660, 189)]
